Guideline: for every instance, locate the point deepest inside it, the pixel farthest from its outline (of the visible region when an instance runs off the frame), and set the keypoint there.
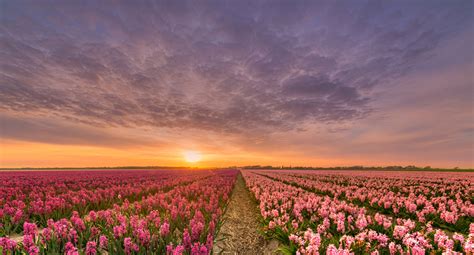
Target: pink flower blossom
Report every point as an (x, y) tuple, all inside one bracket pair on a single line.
[(91, 248), (165, 229), (103, 242)]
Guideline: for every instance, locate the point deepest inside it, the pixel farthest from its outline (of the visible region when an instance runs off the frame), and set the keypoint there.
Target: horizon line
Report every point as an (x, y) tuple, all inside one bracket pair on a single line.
[(353, 167)]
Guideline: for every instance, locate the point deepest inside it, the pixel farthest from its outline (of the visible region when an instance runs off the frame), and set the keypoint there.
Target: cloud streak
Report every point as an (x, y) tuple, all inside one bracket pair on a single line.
[(222, 66)]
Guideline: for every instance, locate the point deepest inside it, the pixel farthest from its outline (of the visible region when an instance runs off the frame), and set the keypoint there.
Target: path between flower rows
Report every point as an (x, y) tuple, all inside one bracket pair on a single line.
[(239, 233)]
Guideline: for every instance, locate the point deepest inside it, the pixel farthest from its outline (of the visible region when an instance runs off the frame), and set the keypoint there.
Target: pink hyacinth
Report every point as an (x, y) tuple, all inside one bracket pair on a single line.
[(271, 225), (399, 232), (341, 227), (29, 229), (165, 229), (70, 249), (196, 229), (7, 244), (46, 235), (179, 250), (119, 231), (392, 248), (91, 248), (94, 231), (33, 250), (416, 250), (209, 242), (187, 239), (103, 242), (73, 236), (129, 245), (332, 250), (18, 216), (361, 222), (28, 241)]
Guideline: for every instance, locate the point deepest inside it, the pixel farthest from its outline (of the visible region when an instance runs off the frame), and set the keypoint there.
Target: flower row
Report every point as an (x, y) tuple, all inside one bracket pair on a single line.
[(180, 220), (312, 223)]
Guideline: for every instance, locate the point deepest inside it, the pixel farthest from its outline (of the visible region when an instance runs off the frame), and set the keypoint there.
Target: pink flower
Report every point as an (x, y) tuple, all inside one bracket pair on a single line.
[(417, 251), (46, 234), (361, 222), (412, 207), (18, 216), (72, 236), (392, 248), (144, 236), (178, 250), (186, 239), (469, 244), (204, 250), (92, 215), (209, 242), (347, 241), (94, 231), (29, 229), (129, 245), (91, 248), (196, 229), (332, 250), (28, 241), (103, 242), (70, 249), (399, 232), (271, 225), (33, 250), (458, 237), (78, 222), (165, 229), (293, 238), (294, 224), (7, 244), (119, 231), (341, 226)]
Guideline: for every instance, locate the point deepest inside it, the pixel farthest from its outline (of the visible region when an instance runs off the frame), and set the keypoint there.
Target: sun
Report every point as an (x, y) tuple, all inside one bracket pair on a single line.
[(192, 156)]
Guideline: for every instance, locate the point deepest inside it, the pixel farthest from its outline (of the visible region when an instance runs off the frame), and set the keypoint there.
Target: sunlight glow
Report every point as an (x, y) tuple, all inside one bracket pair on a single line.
[(192, 156)]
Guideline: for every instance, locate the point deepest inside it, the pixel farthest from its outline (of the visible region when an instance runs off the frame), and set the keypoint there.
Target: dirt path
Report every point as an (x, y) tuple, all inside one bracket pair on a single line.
[(239, 233), (19, 238)]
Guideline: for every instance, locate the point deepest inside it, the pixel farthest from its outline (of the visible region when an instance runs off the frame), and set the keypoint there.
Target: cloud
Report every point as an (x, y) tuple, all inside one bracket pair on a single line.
[(247, 67), (53, 131)]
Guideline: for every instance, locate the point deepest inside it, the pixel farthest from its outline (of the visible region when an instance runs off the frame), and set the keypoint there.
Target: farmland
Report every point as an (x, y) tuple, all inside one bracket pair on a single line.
[(367, 212), (182, 211), (124, 212)]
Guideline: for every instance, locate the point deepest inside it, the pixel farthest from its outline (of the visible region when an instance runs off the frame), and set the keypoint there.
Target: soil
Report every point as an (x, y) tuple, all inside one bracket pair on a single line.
[(239, 233), (19, 238)]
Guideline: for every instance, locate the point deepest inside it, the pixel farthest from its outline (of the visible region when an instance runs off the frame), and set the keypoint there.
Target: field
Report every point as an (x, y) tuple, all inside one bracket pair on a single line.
[(182, 211), (367, 212)]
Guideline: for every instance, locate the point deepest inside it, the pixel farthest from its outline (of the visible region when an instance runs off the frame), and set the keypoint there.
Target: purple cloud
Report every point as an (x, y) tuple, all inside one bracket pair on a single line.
[(232, 67)]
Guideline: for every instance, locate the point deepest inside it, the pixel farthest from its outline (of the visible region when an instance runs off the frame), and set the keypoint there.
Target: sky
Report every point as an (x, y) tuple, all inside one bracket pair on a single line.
[(307, 83)]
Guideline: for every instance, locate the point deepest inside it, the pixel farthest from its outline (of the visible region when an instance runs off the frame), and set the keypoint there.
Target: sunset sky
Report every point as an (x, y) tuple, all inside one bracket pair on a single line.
[(313, 83)]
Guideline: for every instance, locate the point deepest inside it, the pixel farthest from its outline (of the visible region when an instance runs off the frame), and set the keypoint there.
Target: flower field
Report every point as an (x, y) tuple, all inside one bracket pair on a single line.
[(113, 212), (180, 212), (357, 212)]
